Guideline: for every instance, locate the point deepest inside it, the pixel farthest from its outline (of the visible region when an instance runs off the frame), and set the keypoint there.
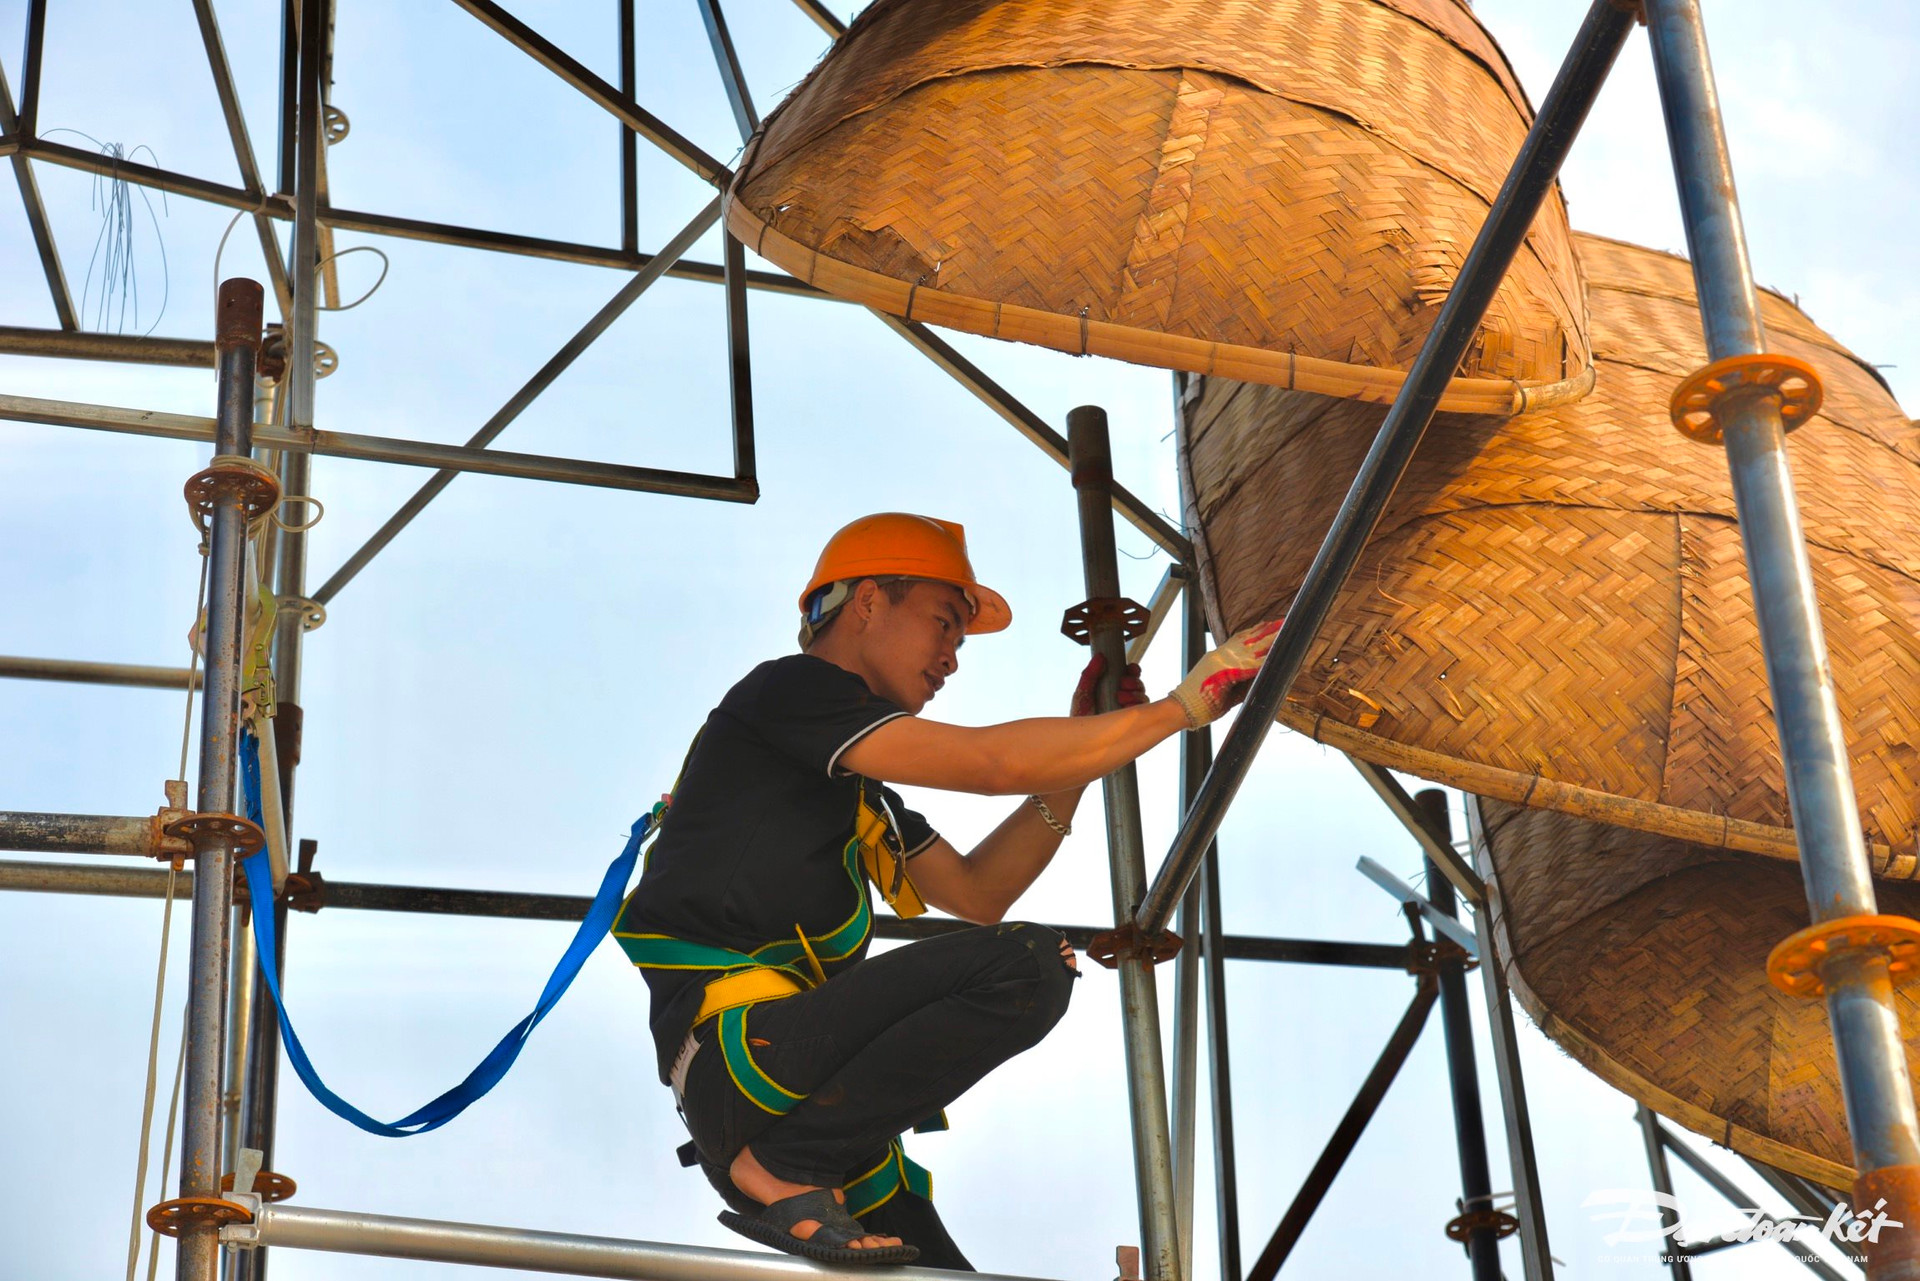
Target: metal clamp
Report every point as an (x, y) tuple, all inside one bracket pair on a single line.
[(230, 474), (1123, 942), (1426, 956), (1695, 406), (1794, 964), (246, 836), (1078, 623), (171, 1218)]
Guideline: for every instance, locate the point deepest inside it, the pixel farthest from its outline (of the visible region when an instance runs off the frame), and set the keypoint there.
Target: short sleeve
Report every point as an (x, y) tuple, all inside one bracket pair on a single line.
[(915, 832), (812, 711)]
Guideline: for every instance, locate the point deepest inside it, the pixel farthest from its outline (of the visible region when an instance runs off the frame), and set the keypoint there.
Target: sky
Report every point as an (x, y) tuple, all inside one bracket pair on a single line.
[(496, 698)]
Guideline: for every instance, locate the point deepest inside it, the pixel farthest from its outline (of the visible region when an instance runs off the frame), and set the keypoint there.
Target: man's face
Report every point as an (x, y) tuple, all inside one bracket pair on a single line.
[(913, 647)]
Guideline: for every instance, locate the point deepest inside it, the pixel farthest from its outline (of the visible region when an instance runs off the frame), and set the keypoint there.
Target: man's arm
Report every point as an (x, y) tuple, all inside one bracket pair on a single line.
[(1041, 755)]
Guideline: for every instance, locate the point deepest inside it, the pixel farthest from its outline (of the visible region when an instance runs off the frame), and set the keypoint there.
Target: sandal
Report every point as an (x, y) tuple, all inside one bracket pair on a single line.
[(830, 1242)]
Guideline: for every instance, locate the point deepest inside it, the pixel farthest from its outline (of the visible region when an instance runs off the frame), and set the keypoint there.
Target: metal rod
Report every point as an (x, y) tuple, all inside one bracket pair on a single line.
[(629, 144), (1186, 1062), (31, 58), (1436, 847), (19, 875), (1092, 471), (17, 340), (1196, 756), (556, 250), (387, 1237), (1874, 1079), (29, 833), (739, 358), (1034, 428), (1463, 1075), (530, 391), (1165, 595), (36, 210), (823, 17), (134, 675), (1662, 1177), (598, 91), (1535, 1256), (1345, 1135), (289, 121), (1802, 1194), (240, 999), (1601, 35), (167, 180), (381, 449), (243, 151), (238, 338), (732, 78)]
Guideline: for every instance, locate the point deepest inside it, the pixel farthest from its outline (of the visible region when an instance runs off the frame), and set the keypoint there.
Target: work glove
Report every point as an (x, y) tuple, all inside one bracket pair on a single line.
[(1133, 691), (1219, 681)]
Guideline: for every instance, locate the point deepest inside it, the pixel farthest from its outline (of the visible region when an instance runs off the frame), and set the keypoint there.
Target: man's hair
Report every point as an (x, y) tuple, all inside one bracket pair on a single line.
[(895, 587)]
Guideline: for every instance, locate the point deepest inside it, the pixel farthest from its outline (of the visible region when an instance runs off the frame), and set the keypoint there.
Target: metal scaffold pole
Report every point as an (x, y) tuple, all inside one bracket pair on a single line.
[(214, 833), (306, 42), (1845, 953), (1091, 464)]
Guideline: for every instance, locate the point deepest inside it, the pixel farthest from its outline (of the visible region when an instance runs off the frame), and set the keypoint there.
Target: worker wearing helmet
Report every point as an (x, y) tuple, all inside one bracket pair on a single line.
[(796, 1060)]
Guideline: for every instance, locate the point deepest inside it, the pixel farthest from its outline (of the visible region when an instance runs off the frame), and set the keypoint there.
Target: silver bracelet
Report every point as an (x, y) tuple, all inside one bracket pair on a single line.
[(1065, 829)]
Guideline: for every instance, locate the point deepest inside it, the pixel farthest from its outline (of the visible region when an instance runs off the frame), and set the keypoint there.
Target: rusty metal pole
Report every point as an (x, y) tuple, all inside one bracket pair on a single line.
[(1090, 459), (1855, 975), (237, 341)]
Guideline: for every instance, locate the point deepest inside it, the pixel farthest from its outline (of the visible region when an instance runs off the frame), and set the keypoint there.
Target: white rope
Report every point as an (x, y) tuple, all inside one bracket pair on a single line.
[(193, 664), (166, 1156), (153, 1063)]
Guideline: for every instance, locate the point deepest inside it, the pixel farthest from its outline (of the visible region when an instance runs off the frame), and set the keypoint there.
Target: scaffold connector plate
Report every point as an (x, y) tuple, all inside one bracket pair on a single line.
[(1110, 947), (232, 474), (267, 1185), (1697, 402), (246, 836), (1462, 1226), (1795, 963), (171, 1218), (1078, 622)]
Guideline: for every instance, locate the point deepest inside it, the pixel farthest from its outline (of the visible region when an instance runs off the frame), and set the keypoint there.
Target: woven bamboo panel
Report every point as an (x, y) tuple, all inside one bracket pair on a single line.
[(1279, 191), (1645, 958), (1554, 609)]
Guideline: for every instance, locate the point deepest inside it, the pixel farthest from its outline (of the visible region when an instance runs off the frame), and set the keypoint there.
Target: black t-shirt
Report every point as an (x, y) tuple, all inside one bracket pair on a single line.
[(753, 845)]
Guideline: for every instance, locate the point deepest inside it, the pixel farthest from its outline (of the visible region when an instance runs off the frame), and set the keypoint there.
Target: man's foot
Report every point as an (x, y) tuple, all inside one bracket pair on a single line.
[(753, 1181)]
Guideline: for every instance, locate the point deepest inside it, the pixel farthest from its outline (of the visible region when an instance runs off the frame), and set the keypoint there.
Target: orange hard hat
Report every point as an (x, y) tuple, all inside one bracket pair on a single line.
[(899, 545)]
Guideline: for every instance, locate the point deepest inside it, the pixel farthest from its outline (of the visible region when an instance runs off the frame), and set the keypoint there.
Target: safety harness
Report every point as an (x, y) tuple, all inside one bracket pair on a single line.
[(786, 967)]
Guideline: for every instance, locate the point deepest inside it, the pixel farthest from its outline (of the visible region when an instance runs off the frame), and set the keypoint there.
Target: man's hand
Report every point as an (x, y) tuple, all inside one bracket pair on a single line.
[(1219, 681), (1133, 692)]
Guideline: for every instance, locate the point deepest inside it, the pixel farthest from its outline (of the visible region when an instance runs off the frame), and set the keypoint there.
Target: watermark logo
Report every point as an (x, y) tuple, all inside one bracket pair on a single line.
[(1639, 1215)]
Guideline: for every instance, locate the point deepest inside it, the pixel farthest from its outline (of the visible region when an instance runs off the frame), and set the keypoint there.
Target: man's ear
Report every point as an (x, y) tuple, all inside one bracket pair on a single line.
[(863, 601)]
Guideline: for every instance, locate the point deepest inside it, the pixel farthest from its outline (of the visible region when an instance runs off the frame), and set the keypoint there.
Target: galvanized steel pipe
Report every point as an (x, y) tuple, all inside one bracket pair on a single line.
[(1874, 1078), (1601, 35), (237, 340), (79, 834), (1090, 461), (388, 1237)]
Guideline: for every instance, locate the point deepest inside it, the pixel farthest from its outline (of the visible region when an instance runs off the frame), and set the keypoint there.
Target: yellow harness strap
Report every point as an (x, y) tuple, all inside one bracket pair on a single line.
[(747, 987), (883, 856)]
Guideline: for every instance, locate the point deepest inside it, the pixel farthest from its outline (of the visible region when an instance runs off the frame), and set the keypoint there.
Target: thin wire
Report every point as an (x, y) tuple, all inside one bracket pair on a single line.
[(222, 248), (166, 1157), (153, 1068), (385, 263), (193, 663)]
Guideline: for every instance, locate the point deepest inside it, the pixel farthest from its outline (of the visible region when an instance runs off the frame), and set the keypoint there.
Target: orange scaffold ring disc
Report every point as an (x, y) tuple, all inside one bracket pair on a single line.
[(169, 1218), (1696, 402), (1794, 964)]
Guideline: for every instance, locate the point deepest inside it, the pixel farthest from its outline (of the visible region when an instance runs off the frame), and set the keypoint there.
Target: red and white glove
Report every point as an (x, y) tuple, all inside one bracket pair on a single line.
[(1131, 694), (1219, 681)]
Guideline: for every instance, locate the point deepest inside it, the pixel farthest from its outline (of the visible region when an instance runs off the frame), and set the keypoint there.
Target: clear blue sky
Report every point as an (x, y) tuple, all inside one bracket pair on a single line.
[(515, 679)]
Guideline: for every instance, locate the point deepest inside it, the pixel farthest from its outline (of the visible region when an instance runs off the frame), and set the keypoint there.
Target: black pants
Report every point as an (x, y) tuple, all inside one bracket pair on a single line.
[(877, 1049)]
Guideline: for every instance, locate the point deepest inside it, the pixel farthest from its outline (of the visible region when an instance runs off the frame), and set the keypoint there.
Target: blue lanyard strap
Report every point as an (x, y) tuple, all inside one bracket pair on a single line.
[(433, 1115)]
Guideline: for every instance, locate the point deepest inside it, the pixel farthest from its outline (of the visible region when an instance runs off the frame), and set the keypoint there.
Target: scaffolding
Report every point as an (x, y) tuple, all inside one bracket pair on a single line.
[(232, 1051)]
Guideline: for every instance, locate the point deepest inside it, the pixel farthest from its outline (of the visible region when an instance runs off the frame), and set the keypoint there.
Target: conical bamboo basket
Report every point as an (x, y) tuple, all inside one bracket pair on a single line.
[(1279, 192), (1645, 958), (1554, 613)]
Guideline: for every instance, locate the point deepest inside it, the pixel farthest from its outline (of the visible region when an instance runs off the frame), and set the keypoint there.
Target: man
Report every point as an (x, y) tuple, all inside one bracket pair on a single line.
[(796, 1060)]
